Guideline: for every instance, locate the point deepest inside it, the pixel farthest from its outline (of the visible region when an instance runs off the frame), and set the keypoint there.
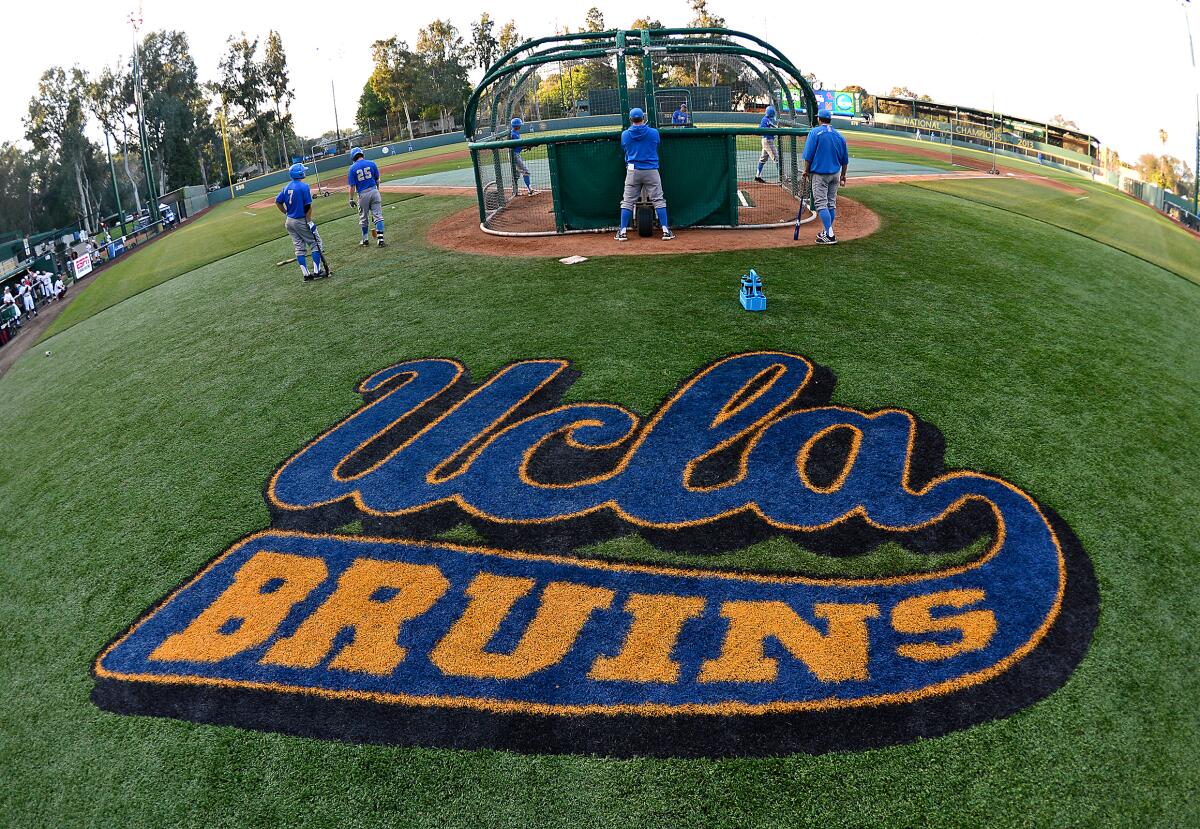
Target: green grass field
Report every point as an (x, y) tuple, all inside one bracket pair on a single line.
[(1052, 342)]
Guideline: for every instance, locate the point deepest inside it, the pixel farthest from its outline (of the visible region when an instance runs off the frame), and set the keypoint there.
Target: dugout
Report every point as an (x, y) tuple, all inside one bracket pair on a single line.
[(708, 169)]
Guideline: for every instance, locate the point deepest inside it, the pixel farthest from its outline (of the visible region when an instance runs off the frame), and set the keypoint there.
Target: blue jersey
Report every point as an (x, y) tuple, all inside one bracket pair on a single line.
[(363, 175), (825, 150), (515, 136), (297, 197), (679, 117), (640, 143), (767, 123)]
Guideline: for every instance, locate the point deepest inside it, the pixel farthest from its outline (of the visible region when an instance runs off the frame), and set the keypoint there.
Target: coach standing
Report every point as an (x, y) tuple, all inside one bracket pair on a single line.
[(640, 144), (825, 161)]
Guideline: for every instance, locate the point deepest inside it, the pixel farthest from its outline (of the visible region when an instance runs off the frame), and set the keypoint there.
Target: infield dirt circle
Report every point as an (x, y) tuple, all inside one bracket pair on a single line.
[(461, 232)]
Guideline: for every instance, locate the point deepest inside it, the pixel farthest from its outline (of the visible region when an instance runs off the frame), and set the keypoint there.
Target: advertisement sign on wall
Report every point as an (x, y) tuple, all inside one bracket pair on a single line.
[(82, 266), (841, 103)]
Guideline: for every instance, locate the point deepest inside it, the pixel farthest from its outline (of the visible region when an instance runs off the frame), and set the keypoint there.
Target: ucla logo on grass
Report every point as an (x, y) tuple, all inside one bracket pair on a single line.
[(530, 642)]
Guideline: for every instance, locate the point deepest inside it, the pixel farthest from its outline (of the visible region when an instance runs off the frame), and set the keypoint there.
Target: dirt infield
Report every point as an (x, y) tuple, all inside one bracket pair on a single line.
[(970, 163), (416, 163), (460, 231), (328, 183)]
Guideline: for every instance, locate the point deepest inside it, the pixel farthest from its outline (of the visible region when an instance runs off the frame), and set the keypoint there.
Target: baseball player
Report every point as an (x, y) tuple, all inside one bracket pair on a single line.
[(679, 117), (519, 165), (295, 202), (640, 143), (825, 161), (364, 181), (769, 151), (25, 294)]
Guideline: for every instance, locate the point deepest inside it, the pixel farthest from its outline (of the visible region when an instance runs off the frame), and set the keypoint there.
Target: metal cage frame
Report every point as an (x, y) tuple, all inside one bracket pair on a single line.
[(502, 86)]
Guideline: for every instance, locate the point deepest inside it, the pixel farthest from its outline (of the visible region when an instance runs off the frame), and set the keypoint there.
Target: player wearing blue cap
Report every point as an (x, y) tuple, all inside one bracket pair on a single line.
[(519, 166), (769, 150), (640, 144), (680, 117), (364, 180), (295, 202), (825, 161)]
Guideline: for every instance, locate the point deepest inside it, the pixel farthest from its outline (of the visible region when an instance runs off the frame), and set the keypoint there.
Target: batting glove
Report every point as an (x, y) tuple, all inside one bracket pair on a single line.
[(312, 226), (353, 204)]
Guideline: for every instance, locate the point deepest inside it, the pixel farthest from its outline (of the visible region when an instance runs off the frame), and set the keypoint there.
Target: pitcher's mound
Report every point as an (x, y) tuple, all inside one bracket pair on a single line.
[(460, 231)]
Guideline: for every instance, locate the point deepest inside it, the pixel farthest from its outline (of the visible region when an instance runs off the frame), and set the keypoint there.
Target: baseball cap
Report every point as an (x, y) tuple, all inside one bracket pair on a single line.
[(636, 114), (824, 112)]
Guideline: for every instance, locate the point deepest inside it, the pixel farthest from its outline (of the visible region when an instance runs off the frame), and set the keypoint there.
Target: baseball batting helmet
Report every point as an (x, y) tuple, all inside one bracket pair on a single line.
[(297, 171), (355, 152), (516, 123), (636, 114), (770, 112)]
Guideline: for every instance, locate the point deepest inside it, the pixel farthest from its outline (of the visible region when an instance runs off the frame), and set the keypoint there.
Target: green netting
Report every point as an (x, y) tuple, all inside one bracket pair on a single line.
[(703, 99), (589, 177), (696, 169)]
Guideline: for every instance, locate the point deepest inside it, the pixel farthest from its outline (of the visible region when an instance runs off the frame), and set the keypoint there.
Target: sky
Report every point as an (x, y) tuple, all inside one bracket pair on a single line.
[(1120, 69)]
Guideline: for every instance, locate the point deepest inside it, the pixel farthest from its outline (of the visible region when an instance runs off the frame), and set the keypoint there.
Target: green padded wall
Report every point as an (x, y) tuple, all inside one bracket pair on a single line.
[(697, 172)]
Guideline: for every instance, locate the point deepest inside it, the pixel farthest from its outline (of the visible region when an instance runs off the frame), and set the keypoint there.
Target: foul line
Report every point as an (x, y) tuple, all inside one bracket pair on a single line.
[(1078, 233)]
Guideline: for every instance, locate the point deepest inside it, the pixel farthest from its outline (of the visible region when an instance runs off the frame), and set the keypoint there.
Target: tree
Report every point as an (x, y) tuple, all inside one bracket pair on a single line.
[(171, 98), (866, 100), (1165, 171), (372, 108), (509, 37), (242, 85), (633, 65), (278, 89), (207, 138), (905, 92), (397, 77), (16, 190), (594, 22), (54, 125), (1061, 121), (484, 46), (109, 99), (703, 19), (441, 47)]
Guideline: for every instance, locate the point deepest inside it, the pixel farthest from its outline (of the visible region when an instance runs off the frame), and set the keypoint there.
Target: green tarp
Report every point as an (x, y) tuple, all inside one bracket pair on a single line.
[(698, 173)]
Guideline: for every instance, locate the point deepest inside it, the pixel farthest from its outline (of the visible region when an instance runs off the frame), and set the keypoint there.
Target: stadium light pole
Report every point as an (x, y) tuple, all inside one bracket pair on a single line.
[(1195, 170), (337, 130), (135, 23), (994, 171), (112, 171), (225, 144)]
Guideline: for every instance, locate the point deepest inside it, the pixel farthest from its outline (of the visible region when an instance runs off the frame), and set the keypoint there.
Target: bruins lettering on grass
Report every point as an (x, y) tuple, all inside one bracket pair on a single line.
[(393, 636)]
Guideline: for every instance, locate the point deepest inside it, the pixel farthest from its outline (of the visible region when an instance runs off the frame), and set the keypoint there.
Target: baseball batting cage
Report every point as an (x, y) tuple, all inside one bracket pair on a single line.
[(705, 89)]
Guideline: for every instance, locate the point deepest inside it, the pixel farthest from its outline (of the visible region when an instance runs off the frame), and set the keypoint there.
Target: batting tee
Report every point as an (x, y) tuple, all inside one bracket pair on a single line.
[(727, 78)]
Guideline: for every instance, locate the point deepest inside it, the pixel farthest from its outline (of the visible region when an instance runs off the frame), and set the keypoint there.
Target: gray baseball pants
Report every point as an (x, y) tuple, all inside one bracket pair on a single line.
[(635, 180), (302, 237), (370, 207), (825, 187)]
